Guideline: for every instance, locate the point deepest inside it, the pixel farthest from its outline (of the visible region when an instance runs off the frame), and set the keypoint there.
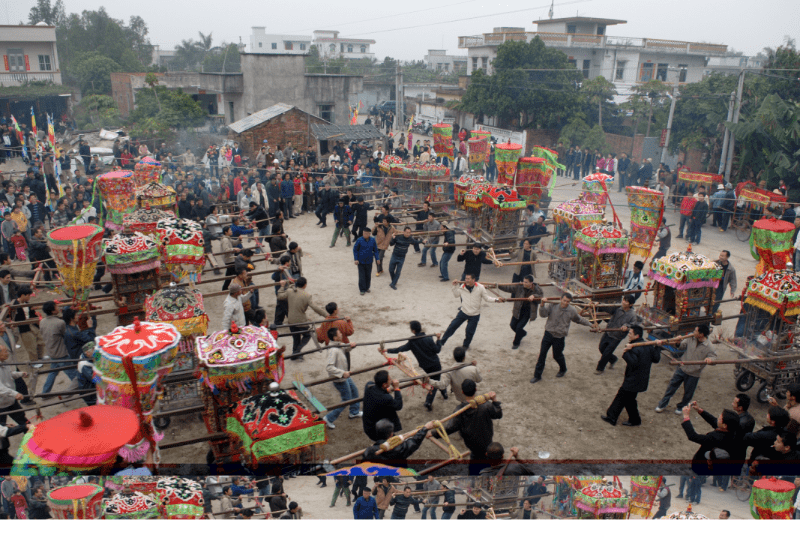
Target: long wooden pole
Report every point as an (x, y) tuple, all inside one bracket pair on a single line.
[(504, 264), (666, 341)]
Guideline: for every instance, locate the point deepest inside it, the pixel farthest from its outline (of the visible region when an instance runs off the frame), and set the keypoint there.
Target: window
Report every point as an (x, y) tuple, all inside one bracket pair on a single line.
[(341, 48), (350, 49), (302, 46), (661, 71), (274, 46), (446, 67), (484, 63), (363, 49), (587, 63), (474, 64), (288, 45), (326, 112), (573, 62), (601, 30), (620, 74), (16, 60), (230, 109), (571, 28), (683, 70), (646, 72), (44, 63), (332, 48)]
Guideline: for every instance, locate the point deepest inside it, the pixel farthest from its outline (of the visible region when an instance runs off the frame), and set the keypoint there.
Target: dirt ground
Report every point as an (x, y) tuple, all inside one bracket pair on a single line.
[(559, 417)]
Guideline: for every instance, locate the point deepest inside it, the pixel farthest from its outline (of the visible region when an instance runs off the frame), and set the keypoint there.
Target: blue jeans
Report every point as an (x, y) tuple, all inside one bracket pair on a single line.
[(684, 481), (695, 229), (684, 219), (425, 512), (695, 490), (447, 515), (689, 386), (395, 268), (347, 390), (51, 377), (472, 325), (719, 295), (425, 255), (443, 265)]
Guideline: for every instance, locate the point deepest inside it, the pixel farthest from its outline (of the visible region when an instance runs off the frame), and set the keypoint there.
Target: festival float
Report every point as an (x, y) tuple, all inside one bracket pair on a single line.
[(133, 260), (751, 202), (478, 146), (117, 191), (647, 211), (595, 188), (147, 171), (443, 140), (569, 217), (772, 244), (506, 156), (601, 501), (76, 250), (131, 506), (157, 196), (534, 178), (145, 221), (181, 499), (772, 499), (501, 216), (602, 252), (76, 502), (182, 248)]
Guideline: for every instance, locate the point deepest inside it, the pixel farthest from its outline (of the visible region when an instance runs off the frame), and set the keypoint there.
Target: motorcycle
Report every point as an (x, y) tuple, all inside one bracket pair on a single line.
[(422, 127)]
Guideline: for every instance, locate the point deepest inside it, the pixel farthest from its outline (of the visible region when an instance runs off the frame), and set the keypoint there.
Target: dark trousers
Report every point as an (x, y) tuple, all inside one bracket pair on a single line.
[(625, 399), (358, 228), (472, 325), (231, 270), (548, 341), (689, 386), (286, 207), (684, 219), (322, 214), (725, 219), (577, 172), (379, 263), (607, 347), (364, 276), (518, 325), (18, 417), (396, 267), (281, 311), (300, 339)]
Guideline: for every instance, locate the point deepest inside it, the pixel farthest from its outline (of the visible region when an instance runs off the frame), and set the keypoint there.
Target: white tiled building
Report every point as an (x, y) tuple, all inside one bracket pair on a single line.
[(29, 54), (330, 45), (440, 60), (626, 61), (263, 43)]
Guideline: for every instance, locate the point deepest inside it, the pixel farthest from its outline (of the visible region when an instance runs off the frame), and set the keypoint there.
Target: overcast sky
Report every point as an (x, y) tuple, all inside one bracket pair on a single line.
[(407, 29)]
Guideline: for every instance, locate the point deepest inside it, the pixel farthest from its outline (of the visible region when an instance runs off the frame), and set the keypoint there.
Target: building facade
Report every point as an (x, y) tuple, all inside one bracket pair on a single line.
[(29, 55), (734, 64), (440, 60), (625, 61), (264, 43), (330, 45), (125, 86)]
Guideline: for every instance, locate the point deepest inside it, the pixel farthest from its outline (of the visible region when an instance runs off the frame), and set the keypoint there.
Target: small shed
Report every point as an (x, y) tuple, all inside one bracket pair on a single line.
[(328, 134), (279, 124)]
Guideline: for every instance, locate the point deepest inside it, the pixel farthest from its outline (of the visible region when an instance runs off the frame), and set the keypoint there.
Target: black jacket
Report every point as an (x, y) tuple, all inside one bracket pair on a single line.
[(449, 497), (449, 237), (401, 245), (360, 213), (379, 404), (401, 504), (700, 211), (400, 453), (328, 199), (761, 441), (472, 263), (260, 215), (637, 372), (726, 441), (38, 510), (746, 423), (475, 426), (425, 350), (469, 515), (38, 249)]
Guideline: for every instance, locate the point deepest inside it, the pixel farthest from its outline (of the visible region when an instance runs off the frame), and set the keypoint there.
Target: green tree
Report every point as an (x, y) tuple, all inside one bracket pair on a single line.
[(783, 68), (574, 132), (655, 91), (97, 111), (596, 140), (92, 71), (531, 81), (152, 81), (769, 142), (50, 14), (600, 93), (171, 107)]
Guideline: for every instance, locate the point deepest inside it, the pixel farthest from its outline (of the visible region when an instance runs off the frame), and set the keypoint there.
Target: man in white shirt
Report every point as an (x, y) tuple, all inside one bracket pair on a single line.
[(471, 294), (233, 310), (634, 279), (244, 198), (459, 166)]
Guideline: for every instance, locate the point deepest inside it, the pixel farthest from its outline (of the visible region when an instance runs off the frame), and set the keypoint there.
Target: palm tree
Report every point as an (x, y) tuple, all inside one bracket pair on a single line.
[(152, 80)]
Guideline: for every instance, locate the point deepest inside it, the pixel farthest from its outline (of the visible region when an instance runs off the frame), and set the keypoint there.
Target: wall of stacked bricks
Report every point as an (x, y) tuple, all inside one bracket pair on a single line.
[(294, 126)]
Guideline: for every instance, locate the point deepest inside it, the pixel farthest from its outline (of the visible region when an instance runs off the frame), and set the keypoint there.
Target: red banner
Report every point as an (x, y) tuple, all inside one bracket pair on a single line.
[(705, 178), (663, 138), (27, 63), (5, 63)]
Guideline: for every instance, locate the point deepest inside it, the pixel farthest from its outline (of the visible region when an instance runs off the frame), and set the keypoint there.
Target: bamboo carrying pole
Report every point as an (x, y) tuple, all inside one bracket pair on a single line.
[(665, 341), (504, 264)]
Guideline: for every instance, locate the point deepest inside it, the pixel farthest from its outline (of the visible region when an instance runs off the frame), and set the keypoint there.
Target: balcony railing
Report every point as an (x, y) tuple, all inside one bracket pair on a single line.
[(19, 78), (580, 40)]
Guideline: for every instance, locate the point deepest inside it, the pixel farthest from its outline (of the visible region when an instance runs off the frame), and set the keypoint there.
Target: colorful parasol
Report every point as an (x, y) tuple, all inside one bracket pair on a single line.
[(598, 238), (181, 498), (443, 140), (76, 250), (578, 213), (130, 506), (179, 306), (686, 270), (373, 469), (647, 211), (478, 144), (182, 243), (77, 440), (129, 365), (772, 243), (76, 502), (534, 176), (117, 190), (700, 178), (236, 358), (549, 156), (601, 499), (274, 423), (502, 198), (156, 195), (145, 220), (772, 498), (644, 490), (595, 187), (131, 253), (776, 290), (147, 171), (506, 156)]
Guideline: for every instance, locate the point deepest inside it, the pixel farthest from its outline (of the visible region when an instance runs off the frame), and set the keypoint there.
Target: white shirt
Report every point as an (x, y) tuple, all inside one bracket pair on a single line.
[(633, 281), (333, 158), (234, 311), (471, 300)]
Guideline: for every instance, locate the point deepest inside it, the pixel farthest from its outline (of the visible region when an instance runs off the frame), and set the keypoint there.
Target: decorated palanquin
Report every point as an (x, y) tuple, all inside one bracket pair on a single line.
[(506, 156), (133, 259), (117, 191), (388, 161), (772, 244), (697, 178), (276, 428), (478, 145), (502, 492), (183, 308), (76, 502), (688, 514), (145, 221), (534, 177), (130, 364), (233, 365), (147, 171), (443, 140), (647, 211), (595, 188), (569, 217), (76, 250), (131, 506), (502, 214), (156, 195), (182, 248), (550, 157), (144, 484), (644, 490), (463, 184), (601, 501), (772, 498), (683, 287), (180, 498), (748, 192), (602, 250), (470, 212)]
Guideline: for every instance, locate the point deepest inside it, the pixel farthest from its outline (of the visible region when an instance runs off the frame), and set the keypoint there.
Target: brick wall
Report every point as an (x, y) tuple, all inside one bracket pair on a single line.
[(294, 126), (620, 144), (543, 138), (122, 92), (694, 159)]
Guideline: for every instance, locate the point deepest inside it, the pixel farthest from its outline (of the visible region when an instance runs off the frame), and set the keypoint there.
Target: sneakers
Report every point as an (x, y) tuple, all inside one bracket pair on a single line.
[(561, 373), (359, 415), (329, 424), (678, 411), (362, 293), (599, 372), (660, 409), (379, 273), (515, 346), (392, 286)]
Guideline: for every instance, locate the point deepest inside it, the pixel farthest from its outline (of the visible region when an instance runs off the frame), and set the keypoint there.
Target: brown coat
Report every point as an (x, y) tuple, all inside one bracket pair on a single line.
[(518, 291), (299, 302), (519, 258), (383, 236), (383, 496)]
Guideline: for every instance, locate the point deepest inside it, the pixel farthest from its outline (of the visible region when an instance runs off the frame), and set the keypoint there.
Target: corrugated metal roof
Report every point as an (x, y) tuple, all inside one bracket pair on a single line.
[(260, 117), (348, 132)]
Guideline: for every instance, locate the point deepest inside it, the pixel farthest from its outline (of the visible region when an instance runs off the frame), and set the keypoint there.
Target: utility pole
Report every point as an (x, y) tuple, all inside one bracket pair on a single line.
[(398, 94), (723, 156), (729, 159), (674, 97)]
